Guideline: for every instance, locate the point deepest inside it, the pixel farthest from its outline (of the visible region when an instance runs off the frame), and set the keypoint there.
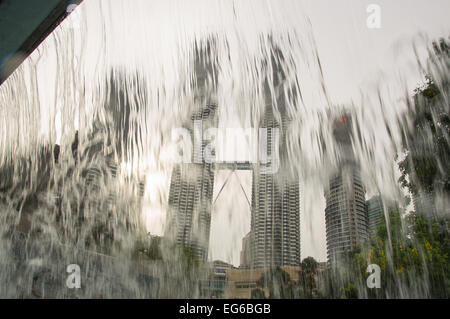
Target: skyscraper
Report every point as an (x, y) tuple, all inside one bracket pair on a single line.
[(375, 211), (275, 219), (346, 212), (192, 184), (190, 195), (275, 212)]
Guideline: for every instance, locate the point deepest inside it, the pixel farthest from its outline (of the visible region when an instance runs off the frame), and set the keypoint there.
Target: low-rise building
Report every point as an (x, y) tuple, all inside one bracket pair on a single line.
[(215, 285), (241, 282)]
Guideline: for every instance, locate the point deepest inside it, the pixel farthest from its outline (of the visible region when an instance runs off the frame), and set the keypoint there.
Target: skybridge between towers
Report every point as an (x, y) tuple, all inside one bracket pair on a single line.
[(238, 166)]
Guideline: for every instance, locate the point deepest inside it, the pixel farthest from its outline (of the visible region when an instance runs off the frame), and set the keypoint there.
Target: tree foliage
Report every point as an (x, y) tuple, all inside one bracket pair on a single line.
[(413, 263), (426, 143), (278, 282), (307, 277)]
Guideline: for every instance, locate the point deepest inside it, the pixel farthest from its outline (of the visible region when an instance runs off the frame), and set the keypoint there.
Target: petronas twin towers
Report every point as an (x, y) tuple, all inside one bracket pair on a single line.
[(275, 203)]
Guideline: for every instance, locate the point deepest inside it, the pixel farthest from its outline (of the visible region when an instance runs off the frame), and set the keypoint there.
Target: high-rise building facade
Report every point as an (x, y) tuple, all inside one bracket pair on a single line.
[(375, 211), (190, 194), (192, 183), (346, 211), (275, 216)]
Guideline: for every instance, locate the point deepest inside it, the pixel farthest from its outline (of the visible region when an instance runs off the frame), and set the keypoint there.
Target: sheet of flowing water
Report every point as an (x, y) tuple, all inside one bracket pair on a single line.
[(126, 67)]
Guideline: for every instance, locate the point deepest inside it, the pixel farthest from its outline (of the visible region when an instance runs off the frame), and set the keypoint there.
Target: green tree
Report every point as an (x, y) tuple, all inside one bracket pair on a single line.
[(307, 276), (426, 144), (150, 249), (417, 259), (279, 284)]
